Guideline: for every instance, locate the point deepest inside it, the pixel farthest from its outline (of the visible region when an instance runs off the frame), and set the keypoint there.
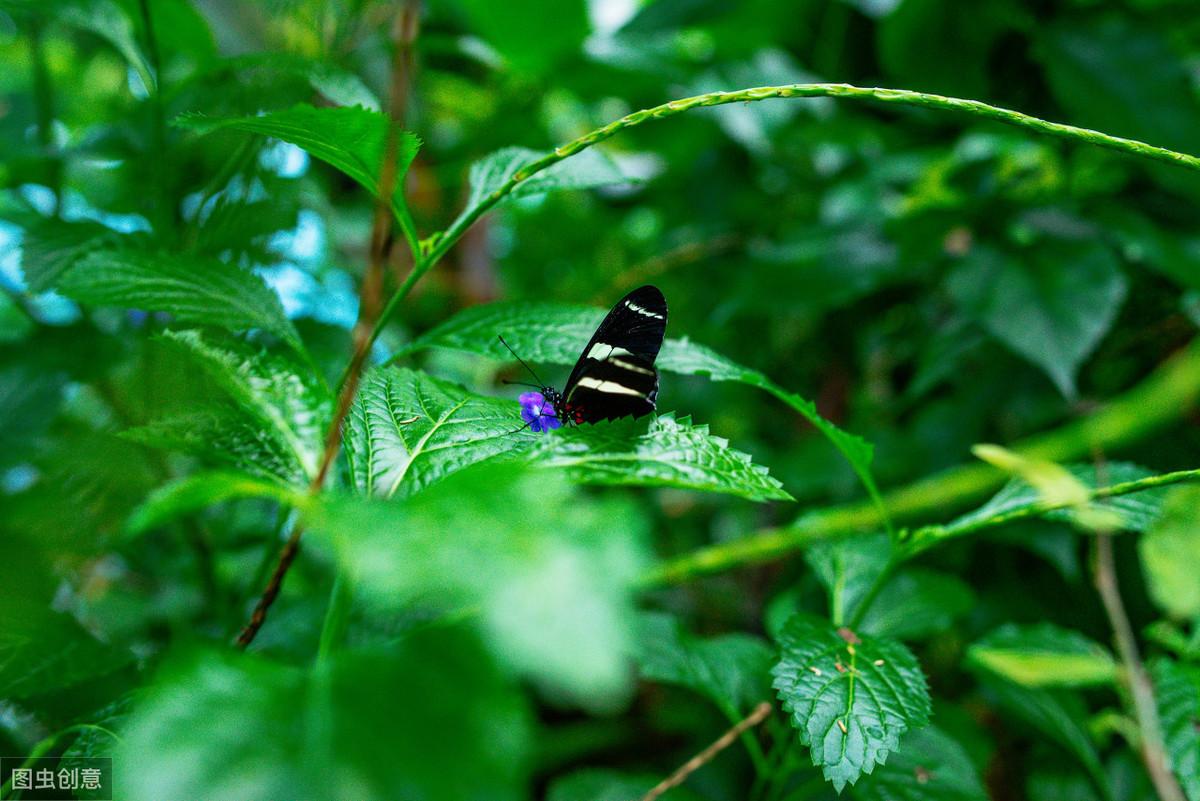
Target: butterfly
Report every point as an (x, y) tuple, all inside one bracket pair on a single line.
[(614, 376)]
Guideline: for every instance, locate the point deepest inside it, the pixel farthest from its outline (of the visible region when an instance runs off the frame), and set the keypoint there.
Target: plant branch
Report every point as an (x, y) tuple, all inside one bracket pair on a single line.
[(708, 754), (1141, 690), (370, 301), (441, 244), (43, 95), (158, 128), (1160, 399)]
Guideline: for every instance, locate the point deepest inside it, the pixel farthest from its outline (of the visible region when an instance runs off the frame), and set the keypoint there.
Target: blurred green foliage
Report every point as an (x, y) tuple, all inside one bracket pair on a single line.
[(858, 294)]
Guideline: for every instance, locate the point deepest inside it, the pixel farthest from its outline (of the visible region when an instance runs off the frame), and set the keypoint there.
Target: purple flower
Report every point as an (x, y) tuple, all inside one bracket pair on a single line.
[(539, 414)]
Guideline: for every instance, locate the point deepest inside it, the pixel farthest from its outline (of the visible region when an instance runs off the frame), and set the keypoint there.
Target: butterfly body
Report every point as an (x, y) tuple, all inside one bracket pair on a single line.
[(615, 375)]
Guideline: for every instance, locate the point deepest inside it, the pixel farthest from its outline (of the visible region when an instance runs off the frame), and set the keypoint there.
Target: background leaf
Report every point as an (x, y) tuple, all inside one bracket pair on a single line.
[(588, 169), (1170, 551), (928, 766), (732, 671), (1052, 307), (192, 290), (1044, 655), (259, 414), (350, 139)]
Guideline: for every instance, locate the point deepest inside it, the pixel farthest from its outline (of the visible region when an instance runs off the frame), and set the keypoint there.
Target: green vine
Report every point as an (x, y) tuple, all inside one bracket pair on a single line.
[(431, 250)]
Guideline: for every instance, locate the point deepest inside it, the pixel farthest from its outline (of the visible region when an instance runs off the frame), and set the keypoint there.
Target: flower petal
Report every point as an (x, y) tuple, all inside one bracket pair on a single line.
[(531, 398)]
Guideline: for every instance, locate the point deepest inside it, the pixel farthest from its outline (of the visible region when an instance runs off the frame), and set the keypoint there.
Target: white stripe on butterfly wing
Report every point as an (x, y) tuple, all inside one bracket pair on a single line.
[(644, 311), (611, 387), (631, 367)]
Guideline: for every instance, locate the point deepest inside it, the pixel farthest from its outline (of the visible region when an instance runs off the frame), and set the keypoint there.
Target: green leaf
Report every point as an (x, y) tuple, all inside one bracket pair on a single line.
[(544, 332), (963, 35), (549, 577), (352, 140), (1052, 305), (52, 246), (851, 702), (532, 35), (408, 430), (1133, 512), (201, 490), (46, 652), (108, 20), (1121, 76), (191, 289), (732, 671), (429, 721), (1177, 689), (917, 603), (587, 169), (1170, 552), (263, 416), (847, 568), (669, 453), (1044, 655), (928, 766)]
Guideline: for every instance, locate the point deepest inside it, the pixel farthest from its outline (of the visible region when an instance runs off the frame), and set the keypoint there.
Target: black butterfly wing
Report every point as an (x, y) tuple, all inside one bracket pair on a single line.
[(615, 375)]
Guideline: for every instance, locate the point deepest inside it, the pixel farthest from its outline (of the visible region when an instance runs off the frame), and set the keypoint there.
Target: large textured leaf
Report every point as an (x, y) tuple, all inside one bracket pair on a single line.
[(554, 333), (350, 139), (1177, 688), (668, 453), (928, 766), (1044, 655), (1170, 554), (192, 290), (231, 725), (408, 430), (732, 671), (585, 170), (1051, 305), (263, 415), (850, 699), (548, 578)]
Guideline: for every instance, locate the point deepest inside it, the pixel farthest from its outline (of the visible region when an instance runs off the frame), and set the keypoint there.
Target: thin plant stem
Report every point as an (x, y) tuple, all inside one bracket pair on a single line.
[(165, 211), (701, 759), (1141, 691), (370, 296)]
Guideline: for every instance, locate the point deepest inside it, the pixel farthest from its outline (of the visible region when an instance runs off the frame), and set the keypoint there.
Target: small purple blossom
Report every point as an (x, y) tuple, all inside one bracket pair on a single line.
[(539, 414)]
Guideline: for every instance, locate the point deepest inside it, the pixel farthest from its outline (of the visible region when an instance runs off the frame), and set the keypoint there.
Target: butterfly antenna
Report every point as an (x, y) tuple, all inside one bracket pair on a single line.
[(541, 383), (519, 383)]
